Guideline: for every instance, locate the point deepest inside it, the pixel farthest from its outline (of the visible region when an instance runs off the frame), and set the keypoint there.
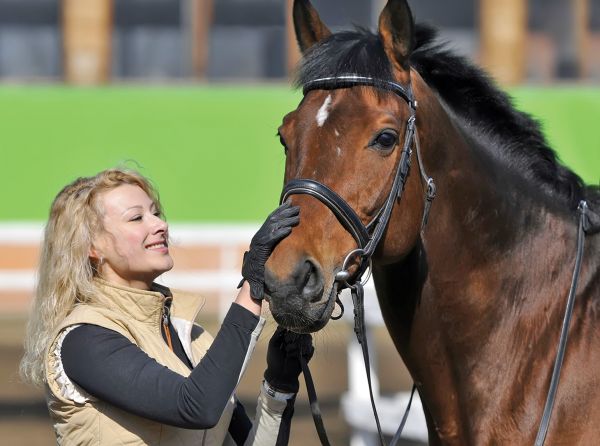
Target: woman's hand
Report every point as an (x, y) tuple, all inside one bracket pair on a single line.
[(283, 359), (277, 226)]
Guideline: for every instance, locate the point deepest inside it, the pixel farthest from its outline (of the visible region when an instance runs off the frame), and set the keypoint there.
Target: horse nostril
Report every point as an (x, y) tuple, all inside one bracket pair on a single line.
[(310, 278), (312, 283)]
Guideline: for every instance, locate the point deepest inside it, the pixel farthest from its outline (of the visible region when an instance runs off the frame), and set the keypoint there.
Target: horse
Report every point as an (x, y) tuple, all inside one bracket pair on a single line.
[(472, 285)]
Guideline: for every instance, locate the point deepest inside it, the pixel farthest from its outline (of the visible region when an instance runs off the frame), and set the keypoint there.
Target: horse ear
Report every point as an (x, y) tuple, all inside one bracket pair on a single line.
[(308, 25), (397, 31)]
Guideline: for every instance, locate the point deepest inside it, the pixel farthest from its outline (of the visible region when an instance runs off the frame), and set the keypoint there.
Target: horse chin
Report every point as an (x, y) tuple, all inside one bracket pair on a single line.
[(299, 315)]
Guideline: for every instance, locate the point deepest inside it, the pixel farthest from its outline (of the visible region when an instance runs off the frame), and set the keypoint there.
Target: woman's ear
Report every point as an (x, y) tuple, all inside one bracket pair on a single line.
[(94, 253)]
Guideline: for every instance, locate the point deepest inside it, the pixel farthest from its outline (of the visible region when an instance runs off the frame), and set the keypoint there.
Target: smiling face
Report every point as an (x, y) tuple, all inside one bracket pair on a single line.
[(132, 250)]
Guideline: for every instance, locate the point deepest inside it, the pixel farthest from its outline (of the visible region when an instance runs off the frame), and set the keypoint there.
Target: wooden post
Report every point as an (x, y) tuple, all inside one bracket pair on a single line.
[(293, 52), (201, 22), (87, 29), (503, 28), (581, 29)]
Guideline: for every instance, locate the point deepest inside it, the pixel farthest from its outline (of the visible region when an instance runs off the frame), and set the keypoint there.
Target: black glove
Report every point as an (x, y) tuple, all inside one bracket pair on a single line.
[(277, 226), (283, 359)]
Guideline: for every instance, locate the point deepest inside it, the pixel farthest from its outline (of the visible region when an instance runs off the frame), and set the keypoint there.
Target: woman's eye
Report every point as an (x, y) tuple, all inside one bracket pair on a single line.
[(136, 218), (386, 140)]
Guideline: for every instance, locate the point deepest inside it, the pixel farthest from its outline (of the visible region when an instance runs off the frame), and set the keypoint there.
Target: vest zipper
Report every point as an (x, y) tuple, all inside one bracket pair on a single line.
[(165, 323)]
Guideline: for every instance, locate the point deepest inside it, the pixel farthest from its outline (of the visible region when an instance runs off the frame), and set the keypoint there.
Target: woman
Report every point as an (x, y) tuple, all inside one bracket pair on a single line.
[(121, 358)]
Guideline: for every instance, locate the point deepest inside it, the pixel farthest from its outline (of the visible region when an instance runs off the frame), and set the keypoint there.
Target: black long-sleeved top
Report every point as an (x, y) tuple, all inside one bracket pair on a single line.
[(108, 366)]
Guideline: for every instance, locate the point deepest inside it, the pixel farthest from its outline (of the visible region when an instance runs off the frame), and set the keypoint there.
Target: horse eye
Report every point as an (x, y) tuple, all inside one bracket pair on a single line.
[(282, 142), (386, 140)]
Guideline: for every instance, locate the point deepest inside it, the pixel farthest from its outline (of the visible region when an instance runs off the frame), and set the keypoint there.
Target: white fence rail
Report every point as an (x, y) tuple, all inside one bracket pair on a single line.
[(227, 242)]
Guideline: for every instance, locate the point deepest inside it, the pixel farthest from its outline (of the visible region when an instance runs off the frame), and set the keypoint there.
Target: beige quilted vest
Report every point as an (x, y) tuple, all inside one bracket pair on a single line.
[(79, 418)]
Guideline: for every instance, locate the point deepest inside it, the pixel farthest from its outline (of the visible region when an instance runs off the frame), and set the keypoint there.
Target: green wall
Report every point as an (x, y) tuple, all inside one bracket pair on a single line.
[(212, 151)]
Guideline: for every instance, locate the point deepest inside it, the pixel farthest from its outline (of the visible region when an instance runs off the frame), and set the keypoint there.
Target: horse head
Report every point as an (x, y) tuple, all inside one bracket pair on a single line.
[(347, 136)]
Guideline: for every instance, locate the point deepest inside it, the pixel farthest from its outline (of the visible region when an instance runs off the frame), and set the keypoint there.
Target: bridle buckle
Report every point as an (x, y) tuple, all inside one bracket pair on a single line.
[(344, 275)]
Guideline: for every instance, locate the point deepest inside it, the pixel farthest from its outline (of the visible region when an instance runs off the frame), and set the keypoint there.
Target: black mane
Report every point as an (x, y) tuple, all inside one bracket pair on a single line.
[(468, 91)]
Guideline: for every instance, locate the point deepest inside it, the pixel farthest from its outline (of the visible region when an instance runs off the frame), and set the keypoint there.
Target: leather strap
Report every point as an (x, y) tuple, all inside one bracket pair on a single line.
[(430, 188), (395, 194), (352, 80), (564, 333), (358, 297), (315, 409), (398, 433), (344, 213)]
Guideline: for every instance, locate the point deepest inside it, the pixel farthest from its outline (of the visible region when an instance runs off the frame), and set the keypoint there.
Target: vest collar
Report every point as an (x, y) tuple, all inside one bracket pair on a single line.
[(142, 305)]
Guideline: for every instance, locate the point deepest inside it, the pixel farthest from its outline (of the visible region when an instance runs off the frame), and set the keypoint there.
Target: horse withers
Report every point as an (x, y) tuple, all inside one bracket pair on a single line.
[(474, 299)]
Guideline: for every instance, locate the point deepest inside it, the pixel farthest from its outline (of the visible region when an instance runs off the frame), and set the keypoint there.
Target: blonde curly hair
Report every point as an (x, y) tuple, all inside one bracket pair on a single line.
[(65, 269)]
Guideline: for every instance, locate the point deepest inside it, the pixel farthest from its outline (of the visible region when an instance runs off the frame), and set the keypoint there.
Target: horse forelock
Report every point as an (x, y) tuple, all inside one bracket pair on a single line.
[(358, 52), (469, 92)]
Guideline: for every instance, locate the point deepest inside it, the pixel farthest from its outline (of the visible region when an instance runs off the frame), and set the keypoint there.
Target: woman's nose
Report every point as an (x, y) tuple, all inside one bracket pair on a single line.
[(159, 224)]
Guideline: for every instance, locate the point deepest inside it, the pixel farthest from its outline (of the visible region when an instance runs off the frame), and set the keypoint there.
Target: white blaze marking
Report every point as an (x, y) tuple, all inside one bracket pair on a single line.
[(339, 151), (323, 112), (336, 132)]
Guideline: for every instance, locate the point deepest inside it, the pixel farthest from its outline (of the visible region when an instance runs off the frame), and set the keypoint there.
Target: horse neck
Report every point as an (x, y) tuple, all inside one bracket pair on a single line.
[(492, 268), (493, 236)]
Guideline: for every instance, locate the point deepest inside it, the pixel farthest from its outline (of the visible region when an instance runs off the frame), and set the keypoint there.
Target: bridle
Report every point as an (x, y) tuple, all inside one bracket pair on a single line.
[(368, 237)]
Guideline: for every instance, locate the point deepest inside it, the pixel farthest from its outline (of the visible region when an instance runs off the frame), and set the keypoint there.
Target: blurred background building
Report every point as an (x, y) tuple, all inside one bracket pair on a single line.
[(90, 41)]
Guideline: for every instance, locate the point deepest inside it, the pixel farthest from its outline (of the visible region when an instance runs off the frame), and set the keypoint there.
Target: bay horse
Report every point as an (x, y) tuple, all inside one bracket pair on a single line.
[(474, 299)]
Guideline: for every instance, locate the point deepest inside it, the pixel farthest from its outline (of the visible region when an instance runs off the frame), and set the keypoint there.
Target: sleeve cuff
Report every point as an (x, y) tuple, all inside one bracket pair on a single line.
[(279, 396)]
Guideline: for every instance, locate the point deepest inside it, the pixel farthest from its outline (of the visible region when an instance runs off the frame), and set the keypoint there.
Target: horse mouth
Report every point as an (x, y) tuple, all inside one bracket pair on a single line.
[(299, 315)]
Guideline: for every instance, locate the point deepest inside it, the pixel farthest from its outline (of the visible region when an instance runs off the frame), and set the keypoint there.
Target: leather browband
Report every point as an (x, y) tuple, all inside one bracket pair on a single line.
[(347, 81)]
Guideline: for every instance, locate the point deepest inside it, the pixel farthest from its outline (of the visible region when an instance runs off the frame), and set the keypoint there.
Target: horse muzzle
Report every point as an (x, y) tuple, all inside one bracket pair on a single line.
[(301, 301)]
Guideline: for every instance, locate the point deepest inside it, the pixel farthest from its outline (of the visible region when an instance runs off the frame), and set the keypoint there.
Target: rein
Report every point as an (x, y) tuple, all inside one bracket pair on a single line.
[(564, 333)]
